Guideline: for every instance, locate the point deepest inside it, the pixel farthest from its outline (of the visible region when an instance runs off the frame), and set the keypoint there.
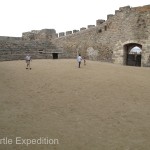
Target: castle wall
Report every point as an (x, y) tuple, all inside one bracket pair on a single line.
[(40, 34), (17, 50), (106, 41), (8, 38), (37, 43)]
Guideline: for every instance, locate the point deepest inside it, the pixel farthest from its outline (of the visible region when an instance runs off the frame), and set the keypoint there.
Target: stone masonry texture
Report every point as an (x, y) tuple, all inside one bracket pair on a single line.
[(107, 41)]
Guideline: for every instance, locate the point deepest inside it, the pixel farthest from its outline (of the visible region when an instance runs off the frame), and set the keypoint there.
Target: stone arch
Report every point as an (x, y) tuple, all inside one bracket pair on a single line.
[(120, 51), (131, 54)]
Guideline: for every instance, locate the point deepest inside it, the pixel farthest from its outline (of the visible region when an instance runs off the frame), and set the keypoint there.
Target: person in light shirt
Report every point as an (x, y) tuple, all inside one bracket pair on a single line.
[(79, 59), (28, 59)]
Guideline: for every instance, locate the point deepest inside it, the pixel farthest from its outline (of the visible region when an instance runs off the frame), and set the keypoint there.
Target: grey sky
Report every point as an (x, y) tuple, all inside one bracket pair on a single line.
[(19, 16)]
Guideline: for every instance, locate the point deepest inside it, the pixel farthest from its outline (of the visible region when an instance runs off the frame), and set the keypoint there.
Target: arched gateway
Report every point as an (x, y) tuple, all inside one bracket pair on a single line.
[(132, 54)]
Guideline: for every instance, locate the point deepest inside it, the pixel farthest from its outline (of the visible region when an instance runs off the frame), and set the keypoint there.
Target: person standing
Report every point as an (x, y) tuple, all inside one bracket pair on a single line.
[(28, 59), (79, 59), (84, 60)]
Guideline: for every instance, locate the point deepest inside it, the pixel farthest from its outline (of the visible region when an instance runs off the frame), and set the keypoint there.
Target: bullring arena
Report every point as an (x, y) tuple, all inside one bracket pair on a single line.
[(100, 106), (104, 105)]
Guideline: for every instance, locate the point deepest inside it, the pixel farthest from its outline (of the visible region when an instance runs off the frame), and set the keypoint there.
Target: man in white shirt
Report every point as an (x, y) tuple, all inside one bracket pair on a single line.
[(79, 59), (28, 59)]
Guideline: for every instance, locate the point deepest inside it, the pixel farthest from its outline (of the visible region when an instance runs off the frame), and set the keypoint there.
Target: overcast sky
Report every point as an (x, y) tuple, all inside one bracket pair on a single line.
[(18, 16)]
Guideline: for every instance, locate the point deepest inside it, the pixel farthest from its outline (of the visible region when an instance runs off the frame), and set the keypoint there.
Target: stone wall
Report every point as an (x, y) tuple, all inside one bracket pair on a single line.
[(107, 41), (40, 34), (8, 38), (37, 43), (15, 50)]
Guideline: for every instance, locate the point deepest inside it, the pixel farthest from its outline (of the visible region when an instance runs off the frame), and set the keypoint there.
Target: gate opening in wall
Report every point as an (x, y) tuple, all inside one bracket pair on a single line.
[(132, 54), (55, 55)]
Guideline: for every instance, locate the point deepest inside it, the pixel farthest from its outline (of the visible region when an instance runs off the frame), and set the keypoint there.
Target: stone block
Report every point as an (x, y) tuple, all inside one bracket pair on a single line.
[(83, 28), (68, 32), (100, 21), (91, 26)]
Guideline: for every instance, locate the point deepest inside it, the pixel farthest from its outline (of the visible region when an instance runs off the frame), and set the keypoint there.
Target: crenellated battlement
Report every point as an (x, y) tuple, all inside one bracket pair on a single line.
[(51, 33), (109, 40), (102, 22)]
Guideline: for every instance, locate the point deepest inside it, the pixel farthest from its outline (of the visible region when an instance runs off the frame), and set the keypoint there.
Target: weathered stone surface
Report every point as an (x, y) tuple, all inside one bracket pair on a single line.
[(100, 21), (68, 32), (14, 50), (91, 26), (107, 41), (109, 16), (39, 34), (61, 34), (83, 28), (75, 31)]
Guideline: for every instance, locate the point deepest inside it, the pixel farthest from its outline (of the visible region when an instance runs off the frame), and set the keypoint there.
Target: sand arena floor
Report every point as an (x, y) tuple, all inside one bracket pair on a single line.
[(100, 106)]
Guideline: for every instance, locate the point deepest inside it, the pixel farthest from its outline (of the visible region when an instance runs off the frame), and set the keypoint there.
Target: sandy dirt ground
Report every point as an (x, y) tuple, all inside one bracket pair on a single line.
[(100, 106)]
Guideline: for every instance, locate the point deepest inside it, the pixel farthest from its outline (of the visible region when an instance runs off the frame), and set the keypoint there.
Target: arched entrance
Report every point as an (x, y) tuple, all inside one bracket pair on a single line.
[(132, 54)]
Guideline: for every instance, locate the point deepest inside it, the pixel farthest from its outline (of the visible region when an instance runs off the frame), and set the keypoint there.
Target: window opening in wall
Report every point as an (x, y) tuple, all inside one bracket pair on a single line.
[(100, 30)]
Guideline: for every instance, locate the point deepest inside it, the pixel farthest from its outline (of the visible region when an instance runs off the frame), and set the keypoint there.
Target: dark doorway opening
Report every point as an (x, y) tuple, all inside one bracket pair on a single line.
[(55, 55), (133, 60), (132, 54)]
